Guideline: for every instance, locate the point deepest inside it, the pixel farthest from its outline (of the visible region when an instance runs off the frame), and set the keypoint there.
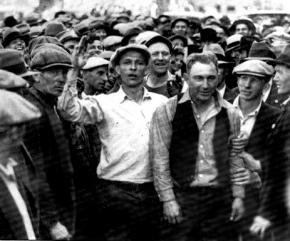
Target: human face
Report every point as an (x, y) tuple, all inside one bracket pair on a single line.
[(131, 68), (160, 58), (17, 44), (176, 62), (52, 80), (202, 82), (180, 28), (250, 87), (242, 29), (281, 79), (96, 78), (177, 43), (95, 48), (70, 45), (101, 33)]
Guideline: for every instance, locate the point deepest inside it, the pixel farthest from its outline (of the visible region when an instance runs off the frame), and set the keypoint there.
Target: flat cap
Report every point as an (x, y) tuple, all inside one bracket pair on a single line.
[(94, 62), (50, 55), (254, 67), (159, 39), (122, 50), (143, 37), (53, 28), (10, 81), (233, 42), (15, 110), (112, 40)]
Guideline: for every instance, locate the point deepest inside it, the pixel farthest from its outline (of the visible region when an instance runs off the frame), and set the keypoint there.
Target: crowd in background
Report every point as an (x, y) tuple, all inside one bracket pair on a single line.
[(138, 128)]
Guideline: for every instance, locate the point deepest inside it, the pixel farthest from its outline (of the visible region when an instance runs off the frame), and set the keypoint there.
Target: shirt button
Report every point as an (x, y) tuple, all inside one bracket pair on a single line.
[(201, 146), (202, 131), (201, 161), (200, 175), (198, 116), (276, 101)]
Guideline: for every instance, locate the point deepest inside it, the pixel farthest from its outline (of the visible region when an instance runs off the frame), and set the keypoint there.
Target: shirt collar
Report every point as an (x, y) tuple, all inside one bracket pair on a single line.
[(121, 95), (220, 102), (255, 112), (7, 171)]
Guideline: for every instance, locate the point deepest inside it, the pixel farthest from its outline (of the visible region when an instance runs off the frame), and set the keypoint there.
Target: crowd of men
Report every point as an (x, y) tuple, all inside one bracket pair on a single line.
[(132, 128)]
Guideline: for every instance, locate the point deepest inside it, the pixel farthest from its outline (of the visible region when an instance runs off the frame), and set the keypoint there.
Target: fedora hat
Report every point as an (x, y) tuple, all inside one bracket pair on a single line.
[(261, 51), (13, 61), (284, 57), (11, 34)]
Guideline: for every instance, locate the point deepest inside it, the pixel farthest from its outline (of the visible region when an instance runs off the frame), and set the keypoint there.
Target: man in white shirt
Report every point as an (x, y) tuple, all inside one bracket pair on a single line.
[(123, 120)]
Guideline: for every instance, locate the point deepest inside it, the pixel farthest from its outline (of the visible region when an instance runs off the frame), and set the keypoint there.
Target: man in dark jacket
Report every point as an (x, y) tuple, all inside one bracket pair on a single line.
[(46, 139)]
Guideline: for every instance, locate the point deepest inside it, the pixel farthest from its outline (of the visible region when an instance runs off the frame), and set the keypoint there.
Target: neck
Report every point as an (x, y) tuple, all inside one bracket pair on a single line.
[(135, 93), (155, 80), (89, 90), (248, 106), (221, 85), (6, 152)]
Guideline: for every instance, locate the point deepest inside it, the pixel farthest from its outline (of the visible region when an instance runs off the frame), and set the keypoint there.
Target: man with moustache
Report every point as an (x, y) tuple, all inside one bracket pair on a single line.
[(159, 79), (125, 183), (46, 139)]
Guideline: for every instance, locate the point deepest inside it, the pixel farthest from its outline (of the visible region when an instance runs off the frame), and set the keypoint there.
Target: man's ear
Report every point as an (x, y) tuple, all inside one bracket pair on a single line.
[(186, 77), (37, 77), (117, 69)]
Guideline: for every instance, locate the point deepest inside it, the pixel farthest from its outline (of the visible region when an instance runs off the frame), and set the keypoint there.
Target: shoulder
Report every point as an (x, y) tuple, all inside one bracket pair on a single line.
[(167, 108), (158, 97)]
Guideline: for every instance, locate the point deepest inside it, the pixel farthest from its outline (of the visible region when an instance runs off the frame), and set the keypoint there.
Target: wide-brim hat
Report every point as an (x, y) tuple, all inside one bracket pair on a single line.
[(179, 20), (254, 67), (11, 34), (122, 50), (245, 21), (234, 42), (13, 61), (178, 36), (209, 35), (284, 57), (261, 51)]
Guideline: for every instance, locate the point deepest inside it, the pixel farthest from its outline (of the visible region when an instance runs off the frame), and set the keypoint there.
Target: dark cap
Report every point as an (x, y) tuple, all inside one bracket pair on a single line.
[(179, 20), (53, 28), (11, 34), (49, 56), (159, 39), (261, 51), (13, 61), (177, 36), (245, 21), (284, 57)]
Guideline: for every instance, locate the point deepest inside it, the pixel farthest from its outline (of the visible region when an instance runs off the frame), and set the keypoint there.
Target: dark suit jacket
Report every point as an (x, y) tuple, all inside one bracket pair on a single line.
[(49, 147), (11, 224)]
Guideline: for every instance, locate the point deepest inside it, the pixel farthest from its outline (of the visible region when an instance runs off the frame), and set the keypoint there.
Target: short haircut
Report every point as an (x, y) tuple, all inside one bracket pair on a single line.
[(204, 58)]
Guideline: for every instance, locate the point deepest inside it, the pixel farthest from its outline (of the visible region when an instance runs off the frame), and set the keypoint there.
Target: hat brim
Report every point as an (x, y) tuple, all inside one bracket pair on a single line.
[(68, 66), (251, 73), (225, 63), (93, 67), (260, 58), (115, 60)]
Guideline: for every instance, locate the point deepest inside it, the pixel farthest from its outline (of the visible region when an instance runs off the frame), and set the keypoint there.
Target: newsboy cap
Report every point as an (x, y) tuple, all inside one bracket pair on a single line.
[(284, 57), (159, 39), (94, 62), (122, 50), (13, 61), (10, 81), (254, 67), (15, 110), (50, 55)]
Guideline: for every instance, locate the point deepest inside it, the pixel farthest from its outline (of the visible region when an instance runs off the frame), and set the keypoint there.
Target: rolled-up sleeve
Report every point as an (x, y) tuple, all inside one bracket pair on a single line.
[(160, 137), (71, 108)]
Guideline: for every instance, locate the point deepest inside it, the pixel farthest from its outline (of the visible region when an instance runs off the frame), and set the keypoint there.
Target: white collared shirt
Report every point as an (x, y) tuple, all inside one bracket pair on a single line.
[(16, 195), (266, 91), (247, 121), (123, 126), (222, 91)]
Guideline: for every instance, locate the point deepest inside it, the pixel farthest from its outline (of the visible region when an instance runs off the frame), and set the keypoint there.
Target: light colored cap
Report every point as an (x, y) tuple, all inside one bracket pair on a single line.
[(10, 81), (112, 40), (143, 37), (14, 109), (94, 62), (254, 67)]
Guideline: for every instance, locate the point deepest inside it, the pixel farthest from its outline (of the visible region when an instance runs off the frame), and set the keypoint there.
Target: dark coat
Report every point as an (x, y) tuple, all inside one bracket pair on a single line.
[(12, 226), (49, 147)]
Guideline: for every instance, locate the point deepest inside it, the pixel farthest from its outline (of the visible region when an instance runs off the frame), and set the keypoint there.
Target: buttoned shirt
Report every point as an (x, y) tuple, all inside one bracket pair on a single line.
[(123, 127), (267, 90), (247, 121), (8, 176), (161, 133), (222, 90)]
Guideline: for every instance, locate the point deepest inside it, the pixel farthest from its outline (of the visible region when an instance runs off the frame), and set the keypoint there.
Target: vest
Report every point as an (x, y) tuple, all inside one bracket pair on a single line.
[(184, 146)]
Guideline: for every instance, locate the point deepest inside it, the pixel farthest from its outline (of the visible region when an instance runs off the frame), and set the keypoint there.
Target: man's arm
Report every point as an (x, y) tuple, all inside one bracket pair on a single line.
[(160, 137), (73, 109)]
